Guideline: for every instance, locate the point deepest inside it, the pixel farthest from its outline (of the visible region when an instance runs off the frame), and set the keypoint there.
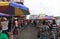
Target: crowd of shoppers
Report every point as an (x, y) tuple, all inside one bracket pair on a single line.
[(46, 29)]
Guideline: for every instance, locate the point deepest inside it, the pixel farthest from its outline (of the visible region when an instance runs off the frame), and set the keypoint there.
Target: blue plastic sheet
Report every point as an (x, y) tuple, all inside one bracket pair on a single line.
[(13, 4)]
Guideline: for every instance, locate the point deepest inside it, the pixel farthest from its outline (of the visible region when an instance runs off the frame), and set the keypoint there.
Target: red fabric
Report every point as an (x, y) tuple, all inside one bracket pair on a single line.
[(20, 22), (15, 32), (43, 18)]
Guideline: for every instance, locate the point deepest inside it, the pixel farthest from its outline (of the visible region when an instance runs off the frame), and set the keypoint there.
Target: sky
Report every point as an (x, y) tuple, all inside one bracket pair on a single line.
[(49, 7)]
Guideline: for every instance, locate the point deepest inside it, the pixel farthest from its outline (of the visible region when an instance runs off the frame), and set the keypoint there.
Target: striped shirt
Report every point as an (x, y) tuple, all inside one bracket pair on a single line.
[(54, 26)]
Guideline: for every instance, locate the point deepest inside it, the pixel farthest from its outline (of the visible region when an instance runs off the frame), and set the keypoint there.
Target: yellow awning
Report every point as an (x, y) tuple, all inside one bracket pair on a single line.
[(4, 3), (18, 12)]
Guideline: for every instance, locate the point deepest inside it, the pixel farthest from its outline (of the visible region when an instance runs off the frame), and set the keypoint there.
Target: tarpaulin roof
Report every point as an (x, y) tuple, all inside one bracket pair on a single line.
[(13, 4)]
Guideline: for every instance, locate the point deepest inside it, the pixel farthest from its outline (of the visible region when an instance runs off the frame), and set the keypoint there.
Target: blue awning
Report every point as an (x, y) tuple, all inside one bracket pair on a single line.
[(13, 4)]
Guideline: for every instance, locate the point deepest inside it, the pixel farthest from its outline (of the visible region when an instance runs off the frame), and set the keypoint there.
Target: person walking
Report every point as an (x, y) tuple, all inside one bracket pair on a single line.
[(44, 31), (4, 23), (16, 28), (34, 22), (49, 24), (54, 30), (39, 30), (2, 35)]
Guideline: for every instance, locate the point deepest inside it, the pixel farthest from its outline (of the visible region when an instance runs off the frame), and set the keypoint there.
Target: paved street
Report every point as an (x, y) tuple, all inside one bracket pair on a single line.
[(58, 37), (28, 33)]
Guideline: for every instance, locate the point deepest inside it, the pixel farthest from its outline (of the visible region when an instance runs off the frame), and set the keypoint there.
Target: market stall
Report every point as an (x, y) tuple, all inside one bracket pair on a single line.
[(13, 9)]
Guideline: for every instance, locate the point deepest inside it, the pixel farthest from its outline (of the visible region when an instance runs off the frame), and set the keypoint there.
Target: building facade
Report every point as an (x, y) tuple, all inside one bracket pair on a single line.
[(33, 16), (37, 16)]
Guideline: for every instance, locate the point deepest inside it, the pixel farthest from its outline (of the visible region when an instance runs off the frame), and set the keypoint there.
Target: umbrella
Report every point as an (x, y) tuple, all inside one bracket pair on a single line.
[(43, 18), (20, 9), (2, 14), (53, 17), (47, 18), (50, 17), (13, 4)]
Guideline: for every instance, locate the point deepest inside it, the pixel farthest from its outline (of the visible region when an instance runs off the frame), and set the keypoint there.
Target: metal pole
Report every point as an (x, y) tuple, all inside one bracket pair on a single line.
[(11, 27)]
